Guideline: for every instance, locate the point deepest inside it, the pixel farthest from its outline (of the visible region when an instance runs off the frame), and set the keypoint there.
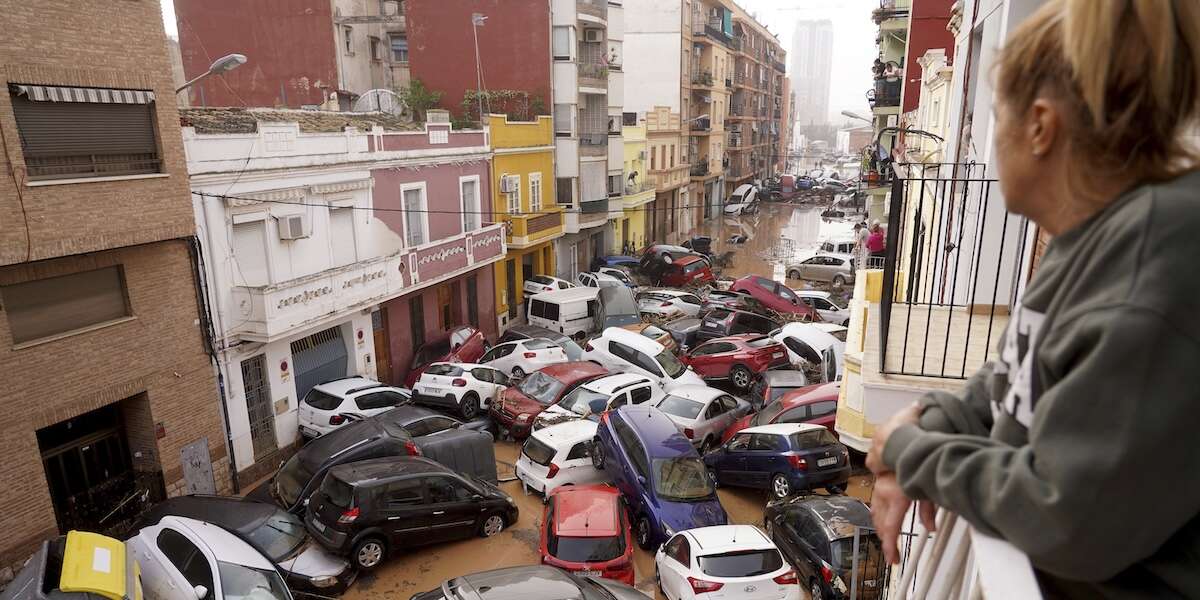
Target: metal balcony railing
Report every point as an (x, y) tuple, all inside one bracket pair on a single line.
[(638, 187), (595, 8), (702, 78), (593, 139), (701, 125), (887, 93), (952, 268), (593, 70), (592, 207), (699, 169)]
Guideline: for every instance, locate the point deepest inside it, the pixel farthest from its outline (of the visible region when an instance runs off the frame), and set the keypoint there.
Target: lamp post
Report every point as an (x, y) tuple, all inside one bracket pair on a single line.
[(220, 66), (854, 115), (478, 20)]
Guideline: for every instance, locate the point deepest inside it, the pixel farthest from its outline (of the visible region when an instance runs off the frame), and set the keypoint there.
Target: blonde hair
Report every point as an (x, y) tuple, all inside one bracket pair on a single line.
[(1127, 71)]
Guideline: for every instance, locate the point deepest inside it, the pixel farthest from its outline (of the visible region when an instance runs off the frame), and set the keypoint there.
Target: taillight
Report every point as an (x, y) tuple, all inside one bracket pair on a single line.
[(666, 305), (530, 355), (788, 578), (349, 516), (700, 586), (411, 448), (587, 346), (826, 573), (798, 462), (337, 419), (552, 472), (458, 382), (687, 432)]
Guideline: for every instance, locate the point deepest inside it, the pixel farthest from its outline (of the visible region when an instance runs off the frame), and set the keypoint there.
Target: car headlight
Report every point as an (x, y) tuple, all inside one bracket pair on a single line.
[(323, 581), (510, 501)]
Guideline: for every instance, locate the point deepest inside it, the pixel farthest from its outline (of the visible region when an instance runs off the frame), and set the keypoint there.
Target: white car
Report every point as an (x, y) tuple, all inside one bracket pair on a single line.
[(724, 561), (332, 404), (208, 562), (621, 350), (702, 413), (826, 306), (594, 397), (598, 280), (619, 275), (464, 387), (743, 200), (545, 283), (524, 356), (829, 267), (669, 303), (838, 331), (806, 342), (558, 455)]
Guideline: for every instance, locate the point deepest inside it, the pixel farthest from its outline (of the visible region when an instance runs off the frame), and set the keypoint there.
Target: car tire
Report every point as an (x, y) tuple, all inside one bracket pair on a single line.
[(836, 488), (597, 455), (706, 446), (793, 274), (469, 407), (741, 377), (814, 590), (641, 533), (518, 373), (780, 486), (491, 525), (839, 281), (368, 553)]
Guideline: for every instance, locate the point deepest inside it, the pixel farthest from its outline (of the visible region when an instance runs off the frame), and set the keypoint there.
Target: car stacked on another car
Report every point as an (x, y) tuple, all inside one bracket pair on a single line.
[(826, 306), (558, 455), (541, 582), (619, 350), (723, 322), (465, 388), (702, 413), (669, 304), (817, 536), (516, 409), (740, 359), (517, 333), (775, 296), (545, 283), (585, 531), (733, 301), (599, 395), (809, 344), (811, 404), (724, 561), (686, 271), (773, 385), (783, 458), (461, 344), (598, 280), (656, 333), (524, 356), (332, 404)]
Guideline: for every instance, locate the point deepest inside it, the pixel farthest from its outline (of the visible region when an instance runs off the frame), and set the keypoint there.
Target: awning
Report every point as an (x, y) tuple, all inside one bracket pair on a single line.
[(51, 93)]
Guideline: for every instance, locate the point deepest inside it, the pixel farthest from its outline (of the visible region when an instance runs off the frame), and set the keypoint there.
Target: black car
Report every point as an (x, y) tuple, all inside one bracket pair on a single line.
[(683, 331), (700, 243), (528, 332), (279, 535), (539, 582), (816, 535), (381, 435), (369, 508), (721, 322)]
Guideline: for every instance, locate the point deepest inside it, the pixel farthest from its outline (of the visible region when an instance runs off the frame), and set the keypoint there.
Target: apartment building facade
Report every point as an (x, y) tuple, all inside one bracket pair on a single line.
[(639, 189), (756, 108), (708, 87), (110, 391)]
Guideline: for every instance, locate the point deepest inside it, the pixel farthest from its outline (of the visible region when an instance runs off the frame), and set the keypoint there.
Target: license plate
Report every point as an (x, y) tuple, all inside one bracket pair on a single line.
[(869, 583), (310, 432), (825, 462), (318, 525), (776, 355), (589, 573), (429, 391)]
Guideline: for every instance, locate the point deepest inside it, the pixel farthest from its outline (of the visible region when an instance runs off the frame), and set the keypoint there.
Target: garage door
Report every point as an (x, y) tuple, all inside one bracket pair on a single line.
[(319, 357)]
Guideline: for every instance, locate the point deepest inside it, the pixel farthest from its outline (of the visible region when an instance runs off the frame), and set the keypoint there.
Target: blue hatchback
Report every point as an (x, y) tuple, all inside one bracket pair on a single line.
[(658, 472), (783, 457)]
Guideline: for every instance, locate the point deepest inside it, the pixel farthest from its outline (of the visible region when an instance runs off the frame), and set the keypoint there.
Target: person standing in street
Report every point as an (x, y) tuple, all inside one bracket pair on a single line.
[(1077, 443)]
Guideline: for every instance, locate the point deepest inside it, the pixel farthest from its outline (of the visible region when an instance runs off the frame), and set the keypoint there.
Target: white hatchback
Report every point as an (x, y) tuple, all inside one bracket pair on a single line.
[(826, 306), (524, 356), (598, 395), (807, 342), (669, 303), (545, 283), (332, 404), (725, 561), (558, 455), (463, 387), (623, 351)]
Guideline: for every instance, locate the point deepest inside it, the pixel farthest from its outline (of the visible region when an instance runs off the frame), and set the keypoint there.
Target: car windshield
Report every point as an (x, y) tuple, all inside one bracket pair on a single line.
[(291, 479), (812, 439), (541, 387), (682, 479), (621, 320), (339, 493), (670, 364), (432, 352), (680, 406), (768, 413), (870, 551), (444, 369), (653, 332), (542, 279), (585, 549), (619, 275), (778, 392), (278, 536), (238, 581), (747, 563), (584, 402)]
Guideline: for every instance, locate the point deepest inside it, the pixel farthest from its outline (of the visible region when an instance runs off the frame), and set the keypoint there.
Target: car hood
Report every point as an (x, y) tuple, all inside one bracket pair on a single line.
[(518, 403), (554, 415), (314, 561), (689, 377), (690, 515), (619, 590)]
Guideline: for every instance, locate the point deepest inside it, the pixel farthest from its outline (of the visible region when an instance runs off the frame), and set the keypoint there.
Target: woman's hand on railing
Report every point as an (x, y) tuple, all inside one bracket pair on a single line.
[(889, 504)]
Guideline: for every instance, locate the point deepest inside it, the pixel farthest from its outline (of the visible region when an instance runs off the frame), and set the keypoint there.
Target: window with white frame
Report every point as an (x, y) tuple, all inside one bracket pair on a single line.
[(469, 191), (535, 193), (510, 186), (348, 39), (416, 220)]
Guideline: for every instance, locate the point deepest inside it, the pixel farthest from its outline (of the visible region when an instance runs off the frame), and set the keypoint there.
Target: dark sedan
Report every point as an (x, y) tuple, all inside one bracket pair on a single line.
[(784, 458), (816, 534)]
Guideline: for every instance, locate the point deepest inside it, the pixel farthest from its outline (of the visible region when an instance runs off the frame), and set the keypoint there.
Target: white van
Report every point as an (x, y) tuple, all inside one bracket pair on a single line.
[(570, 312)]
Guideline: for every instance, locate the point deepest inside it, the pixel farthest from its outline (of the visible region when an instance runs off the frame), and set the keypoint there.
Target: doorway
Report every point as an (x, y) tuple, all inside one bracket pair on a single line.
[(258, 403), (510, 276), (383, 352)]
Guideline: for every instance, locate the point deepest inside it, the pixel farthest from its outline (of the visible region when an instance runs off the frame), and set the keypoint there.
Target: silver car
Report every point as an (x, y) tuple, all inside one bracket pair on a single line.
[(702, 413), (829, 267)]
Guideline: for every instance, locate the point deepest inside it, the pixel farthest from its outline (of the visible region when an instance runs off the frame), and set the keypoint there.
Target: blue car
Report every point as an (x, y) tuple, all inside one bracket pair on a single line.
[(628, 262), (657, 471), (783, 457)]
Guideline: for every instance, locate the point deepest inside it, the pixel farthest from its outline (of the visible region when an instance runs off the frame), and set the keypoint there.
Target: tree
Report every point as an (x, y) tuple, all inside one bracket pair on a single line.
[(420, 99)]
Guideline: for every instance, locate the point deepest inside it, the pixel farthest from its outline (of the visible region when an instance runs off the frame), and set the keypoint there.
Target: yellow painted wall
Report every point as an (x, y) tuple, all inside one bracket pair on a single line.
[(543, 264)]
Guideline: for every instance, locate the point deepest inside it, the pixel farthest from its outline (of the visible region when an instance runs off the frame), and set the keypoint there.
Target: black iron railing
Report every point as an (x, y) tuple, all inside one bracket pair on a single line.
[(953, 263)]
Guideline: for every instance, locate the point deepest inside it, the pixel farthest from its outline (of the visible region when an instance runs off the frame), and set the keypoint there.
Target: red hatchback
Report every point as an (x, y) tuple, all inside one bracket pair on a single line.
[(775, 296), (687, 270), (519, 405), (463, 344), (738, 358), (585, 530), (815, 404)]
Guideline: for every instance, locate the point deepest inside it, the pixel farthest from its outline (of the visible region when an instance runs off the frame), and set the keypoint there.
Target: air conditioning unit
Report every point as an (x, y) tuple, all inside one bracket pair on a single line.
[(593, 35), (292, 227), (508, 184)]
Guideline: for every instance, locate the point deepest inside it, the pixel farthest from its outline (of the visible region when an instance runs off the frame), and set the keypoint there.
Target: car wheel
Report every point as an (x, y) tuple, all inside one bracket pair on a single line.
[(705, 446), (368, 553), (793, 274), (780, 488), (642, 532), (836, 488), (597, 455), (518, 373), (814, 590), (491, 525), (712, 476), (839, 281), (469, 407), (741, 377)]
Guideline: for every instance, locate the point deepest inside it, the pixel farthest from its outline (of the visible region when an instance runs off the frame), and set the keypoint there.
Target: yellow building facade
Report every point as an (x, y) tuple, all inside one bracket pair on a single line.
[(630, 229), (523, 198)]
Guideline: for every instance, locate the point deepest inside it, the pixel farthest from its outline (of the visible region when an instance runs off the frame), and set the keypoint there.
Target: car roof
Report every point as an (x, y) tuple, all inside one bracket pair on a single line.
[(408, 413), (567, 433), (462, 365), (540, 582), (574, 294), (389, 467), (742, 188), (673, 293), (348, 385), (810, 335), (570, 372), (813, 294), (533, 331), (783, 428), (839, 515), (589, 511), (719, 539), (226, 511), (689, 259), (812, 393), (784, 377), (637, 341), (226, 546), (656, 431), (699, 393), (828, 327), (841, 255), (618, 298), (610, 383)]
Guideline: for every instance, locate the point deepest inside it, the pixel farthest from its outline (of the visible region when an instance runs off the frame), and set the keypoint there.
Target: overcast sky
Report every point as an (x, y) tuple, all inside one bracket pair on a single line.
[(853, 41)]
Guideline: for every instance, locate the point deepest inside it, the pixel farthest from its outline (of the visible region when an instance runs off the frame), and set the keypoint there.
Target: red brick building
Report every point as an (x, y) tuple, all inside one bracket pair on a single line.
[(927, 30)]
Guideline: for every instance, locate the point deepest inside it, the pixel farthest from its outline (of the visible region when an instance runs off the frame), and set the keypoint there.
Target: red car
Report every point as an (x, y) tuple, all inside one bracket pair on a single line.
[(775, 296), (461, 344), (738, 358), (687, 270), (585, 529), (813, 404), (519, 405)]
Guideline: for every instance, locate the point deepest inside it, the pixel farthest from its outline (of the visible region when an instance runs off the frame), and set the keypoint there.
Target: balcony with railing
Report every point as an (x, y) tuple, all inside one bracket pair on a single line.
[(594, 8), (593, 143), (593, 212), (886, 94), (700, 170), (713, 29), (525, 231), (702, 78), (701, 125), (593, 69)]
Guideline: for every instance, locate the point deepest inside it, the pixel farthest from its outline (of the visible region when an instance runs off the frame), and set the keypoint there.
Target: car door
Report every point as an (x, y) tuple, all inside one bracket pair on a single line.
[(709, 423), (734, 462), (676, 566), (704, 359), (453, 511), (403, 511), (181, 566), (797, 414), (500, 357), (761, 461), (807, 563), (823, 413), (728, 415), (810, 268)]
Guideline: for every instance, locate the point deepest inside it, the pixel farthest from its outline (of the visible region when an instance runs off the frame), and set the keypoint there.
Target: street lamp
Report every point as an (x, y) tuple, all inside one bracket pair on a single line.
[(220, 66), (853, 115), (478, 20)]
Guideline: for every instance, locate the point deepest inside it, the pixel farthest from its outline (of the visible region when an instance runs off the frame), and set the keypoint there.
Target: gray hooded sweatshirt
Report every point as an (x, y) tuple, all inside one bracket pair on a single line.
[(1080, 444)]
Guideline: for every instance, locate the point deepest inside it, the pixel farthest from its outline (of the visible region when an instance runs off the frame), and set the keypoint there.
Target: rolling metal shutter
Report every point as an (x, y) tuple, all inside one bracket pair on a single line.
[(319, 357)]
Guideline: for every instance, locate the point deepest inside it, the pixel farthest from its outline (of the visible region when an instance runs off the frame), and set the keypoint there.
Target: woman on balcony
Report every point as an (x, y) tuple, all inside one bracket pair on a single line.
[(1078, 444)]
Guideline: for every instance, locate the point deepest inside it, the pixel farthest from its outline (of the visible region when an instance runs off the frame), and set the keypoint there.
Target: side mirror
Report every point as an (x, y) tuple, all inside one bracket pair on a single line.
[(476, 498), (200, 592)]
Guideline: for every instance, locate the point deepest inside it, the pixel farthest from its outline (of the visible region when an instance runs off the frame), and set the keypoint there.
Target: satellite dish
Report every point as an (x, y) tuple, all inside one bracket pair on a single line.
[(381, 100)]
